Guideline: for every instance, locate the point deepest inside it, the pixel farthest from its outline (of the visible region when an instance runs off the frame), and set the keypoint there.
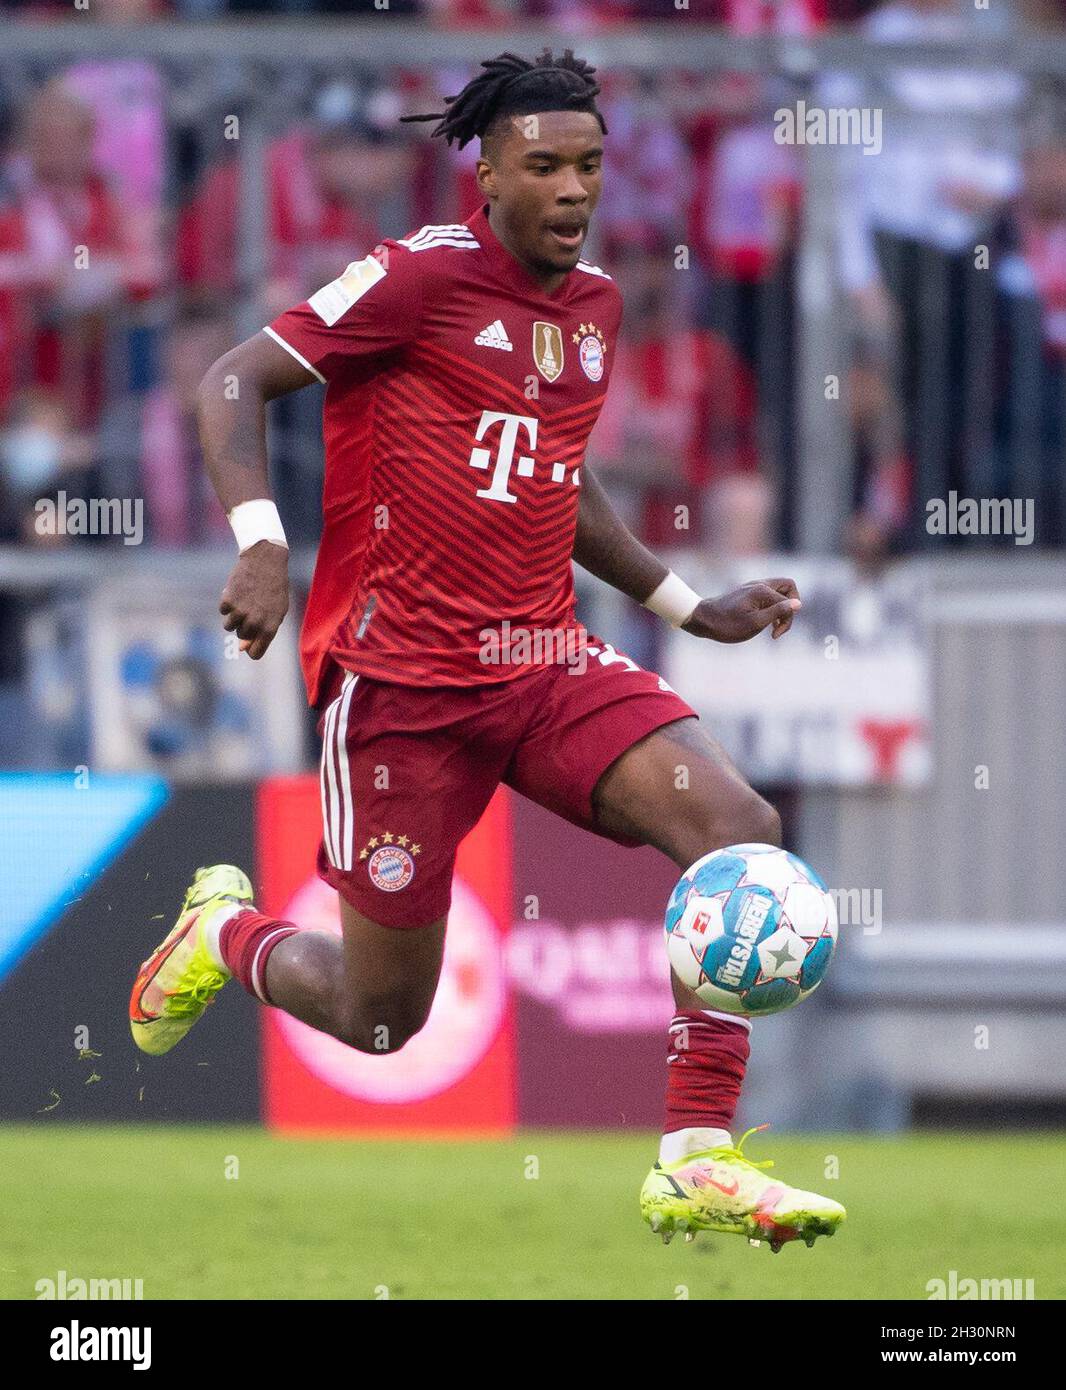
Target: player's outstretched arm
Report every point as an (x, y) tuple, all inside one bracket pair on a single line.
[(231, 409), (608, 549)]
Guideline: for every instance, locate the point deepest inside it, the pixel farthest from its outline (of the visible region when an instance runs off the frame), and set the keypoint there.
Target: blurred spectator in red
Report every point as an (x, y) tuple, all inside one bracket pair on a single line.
[(67, 259), (745, 199), (579, 16), (481, 14), (681, 409), (334, 185), (776, 16), (645, 164), (446, 186)]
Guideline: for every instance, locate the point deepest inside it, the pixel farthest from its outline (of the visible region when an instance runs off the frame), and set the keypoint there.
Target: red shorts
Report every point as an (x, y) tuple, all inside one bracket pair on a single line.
[(408, 770)]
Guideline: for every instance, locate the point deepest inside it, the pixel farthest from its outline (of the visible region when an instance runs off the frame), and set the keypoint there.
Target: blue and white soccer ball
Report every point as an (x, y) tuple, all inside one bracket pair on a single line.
[(751, 928)]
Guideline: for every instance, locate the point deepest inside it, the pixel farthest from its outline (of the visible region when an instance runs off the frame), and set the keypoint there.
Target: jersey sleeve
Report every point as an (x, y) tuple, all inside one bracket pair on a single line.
[(372, 308)]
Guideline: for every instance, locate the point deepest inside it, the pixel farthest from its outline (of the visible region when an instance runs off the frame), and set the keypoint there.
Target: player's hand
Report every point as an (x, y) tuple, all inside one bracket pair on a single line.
[(742, 613), (256, 596)]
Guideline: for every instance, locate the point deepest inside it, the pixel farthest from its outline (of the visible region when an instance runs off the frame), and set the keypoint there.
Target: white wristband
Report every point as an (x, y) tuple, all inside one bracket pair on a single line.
[(673, 600), (257, 521)]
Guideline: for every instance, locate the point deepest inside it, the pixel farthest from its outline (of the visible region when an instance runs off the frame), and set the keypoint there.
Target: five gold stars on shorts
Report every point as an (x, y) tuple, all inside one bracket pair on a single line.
[(389, 839)]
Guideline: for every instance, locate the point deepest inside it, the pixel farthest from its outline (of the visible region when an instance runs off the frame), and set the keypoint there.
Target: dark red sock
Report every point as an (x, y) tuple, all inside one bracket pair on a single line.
[(245, 943), (706, 1061)]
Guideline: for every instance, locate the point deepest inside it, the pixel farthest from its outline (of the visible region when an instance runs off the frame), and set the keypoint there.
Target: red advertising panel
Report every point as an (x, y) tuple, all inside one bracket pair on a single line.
[(588, 971), (458, 1074)]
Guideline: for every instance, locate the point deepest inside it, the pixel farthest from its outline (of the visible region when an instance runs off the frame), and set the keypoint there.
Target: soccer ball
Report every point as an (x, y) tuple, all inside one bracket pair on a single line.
[(751, 928)]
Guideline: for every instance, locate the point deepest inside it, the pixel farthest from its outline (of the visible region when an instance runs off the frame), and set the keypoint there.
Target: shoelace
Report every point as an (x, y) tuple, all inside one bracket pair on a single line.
[(197, 994), (733, 1154)]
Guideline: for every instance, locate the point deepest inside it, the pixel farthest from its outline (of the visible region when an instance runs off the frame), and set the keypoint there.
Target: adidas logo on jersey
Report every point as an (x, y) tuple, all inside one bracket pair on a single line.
[(494, 336)]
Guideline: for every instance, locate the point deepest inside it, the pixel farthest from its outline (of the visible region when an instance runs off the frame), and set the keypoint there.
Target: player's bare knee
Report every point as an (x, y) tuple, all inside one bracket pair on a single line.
[(746, 818), (761, 823), (395, 1033), (380, 1030), (751, 820)]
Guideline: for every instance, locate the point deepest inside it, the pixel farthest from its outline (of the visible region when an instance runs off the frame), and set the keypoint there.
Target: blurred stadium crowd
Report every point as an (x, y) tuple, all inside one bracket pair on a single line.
[(953, 374), (583, 15)]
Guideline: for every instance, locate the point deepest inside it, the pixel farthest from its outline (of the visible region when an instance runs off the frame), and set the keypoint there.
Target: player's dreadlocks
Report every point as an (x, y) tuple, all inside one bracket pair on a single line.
[(513, 86)]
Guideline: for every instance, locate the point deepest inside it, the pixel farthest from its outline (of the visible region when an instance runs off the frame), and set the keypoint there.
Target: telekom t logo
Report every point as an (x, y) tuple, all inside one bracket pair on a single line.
[(505, 454)]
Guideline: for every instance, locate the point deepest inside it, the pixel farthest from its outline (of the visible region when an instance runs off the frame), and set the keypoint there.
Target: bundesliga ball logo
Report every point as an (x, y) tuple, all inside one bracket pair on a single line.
[(751, 929), (391, 868)]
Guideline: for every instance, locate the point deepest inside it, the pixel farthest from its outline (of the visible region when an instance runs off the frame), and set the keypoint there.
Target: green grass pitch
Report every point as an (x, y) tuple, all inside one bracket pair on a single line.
[(433, 1219)]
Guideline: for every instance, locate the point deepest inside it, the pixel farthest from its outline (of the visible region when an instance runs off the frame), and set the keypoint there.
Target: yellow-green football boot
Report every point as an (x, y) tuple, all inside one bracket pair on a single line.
[(721, 1190), (180, 978)]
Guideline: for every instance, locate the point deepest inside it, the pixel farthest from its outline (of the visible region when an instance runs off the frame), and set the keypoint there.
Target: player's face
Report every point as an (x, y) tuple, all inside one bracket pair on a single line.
[(545, 179)]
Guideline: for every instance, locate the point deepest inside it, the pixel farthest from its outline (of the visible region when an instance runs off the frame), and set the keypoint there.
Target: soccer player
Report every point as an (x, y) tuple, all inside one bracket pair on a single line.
[(465, 366)]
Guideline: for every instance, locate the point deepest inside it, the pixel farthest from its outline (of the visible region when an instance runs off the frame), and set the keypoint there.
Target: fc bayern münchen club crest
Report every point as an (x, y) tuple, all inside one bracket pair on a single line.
[(591, 350), (391, 864)]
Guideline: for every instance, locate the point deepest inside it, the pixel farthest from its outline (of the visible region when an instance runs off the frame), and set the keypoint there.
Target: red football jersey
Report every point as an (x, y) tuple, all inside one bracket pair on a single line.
[(459, 402)]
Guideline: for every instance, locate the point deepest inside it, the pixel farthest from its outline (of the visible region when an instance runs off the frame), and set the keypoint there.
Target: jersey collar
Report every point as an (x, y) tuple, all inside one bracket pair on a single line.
[(509, 268)]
